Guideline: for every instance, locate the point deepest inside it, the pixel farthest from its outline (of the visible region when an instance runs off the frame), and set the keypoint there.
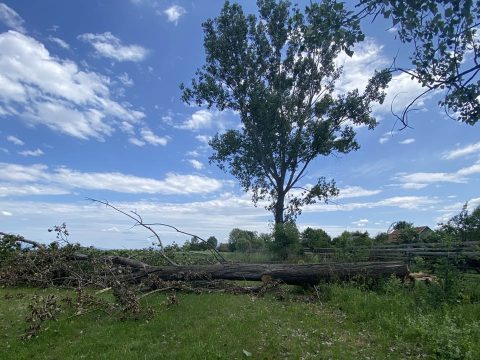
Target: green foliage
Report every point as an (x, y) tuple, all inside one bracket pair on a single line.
[(337, 321), (353, 239), (278, 72), (402, 225), (212, 242), (8, 247), (315, 238), (245, 241), (406, 233), (464, 226), (444, 34), (380, 238), (286, 241)]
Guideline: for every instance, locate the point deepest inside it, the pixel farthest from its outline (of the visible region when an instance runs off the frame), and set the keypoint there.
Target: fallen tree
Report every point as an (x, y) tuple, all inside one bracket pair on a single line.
[(68, 266), (287, 273)]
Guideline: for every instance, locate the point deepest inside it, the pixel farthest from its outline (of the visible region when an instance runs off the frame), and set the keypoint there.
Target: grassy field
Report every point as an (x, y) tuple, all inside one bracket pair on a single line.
[(333, 321)]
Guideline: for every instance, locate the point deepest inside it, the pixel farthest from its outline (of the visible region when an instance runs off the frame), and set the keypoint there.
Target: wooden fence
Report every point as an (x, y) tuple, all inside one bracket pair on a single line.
[(468, 253)]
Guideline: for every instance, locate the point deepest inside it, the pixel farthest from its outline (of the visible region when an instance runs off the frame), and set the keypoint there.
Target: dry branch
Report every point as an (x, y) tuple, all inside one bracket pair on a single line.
[(26, 241), (139, 222)]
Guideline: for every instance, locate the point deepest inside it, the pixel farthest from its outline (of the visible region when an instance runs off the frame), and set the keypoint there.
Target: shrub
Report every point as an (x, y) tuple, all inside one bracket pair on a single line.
[(286, 240)]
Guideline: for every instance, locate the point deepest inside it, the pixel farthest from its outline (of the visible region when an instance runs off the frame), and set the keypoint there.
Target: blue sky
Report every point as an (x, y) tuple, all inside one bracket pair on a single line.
[(90, 107)]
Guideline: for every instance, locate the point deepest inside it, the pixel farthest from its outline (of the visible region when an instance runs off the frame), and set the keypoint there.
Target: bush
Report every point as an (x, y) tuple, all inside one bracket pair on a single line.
[(286, 240)]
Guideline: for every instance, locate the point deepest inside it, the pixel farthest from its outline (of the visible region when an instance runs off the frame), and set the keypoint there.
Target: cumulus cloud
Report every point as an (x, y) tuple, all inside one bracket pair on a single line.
[(15, 140), (201, 119), (44, 90), (174, 13), (208, 119), (196, 164), (40, 175), (462, 151), (108, 45), (152, 139), (11, 19)]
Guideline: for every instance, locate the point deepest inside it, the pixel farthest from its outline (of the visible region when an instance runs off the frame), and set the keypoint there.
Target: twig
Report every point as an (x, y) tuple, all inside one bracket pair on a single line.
[(138, 221)]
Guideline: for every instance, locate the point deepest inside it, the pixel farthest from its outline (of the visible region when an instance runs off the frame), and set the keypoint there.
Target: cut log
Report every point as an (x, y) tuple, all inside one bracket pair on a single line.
[(287, 273)]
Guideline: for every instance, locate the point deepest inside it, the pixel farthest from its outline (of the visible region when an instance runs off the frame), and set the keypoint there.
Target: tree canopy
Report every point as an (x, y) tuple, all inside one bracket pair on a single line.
[(446, 43), (315, 238), (278, 72)]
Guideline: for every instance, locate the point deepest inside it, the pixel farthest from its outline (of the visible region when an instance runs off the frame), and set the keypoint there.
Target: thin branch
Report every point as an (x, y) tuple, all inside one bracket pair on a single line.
[(139, 222), (26, 241), (189, 234)]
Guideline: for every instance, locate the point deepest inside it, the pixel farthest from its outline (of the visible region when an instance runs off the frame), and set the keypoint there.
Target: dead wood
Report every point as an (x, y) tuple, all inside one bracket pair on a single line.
[(21, 239), (286, 273)]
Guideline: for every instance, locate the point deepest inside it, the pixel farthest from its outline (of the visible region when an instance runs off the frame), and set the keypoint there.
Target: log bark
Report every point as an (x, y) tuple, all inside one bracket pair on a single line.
[(287, 273)]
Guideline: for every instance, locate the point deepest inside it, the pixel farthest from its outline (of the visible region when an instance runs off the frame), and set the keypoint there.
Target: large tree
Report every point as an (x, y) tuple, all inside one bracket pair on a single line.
[(278, 72), (446, 49)]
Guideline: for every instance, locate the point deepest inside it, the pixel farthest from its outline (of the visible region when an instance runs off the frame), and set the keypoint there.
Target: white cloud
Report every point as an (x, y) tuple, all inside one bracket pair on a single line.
[(28, 190), (196, 164), (400, 202), (204, 139), (62, 43), (463, 151), (110, 46), (415, 186), (356, 191), (422, 179), (136, 142), (15, 140), (174, 13), (386, 137), (407, 141), (37, 152), (201, 119), (64, 178), (125, 79), (361, 222), (56, 93), (11, 19), (6, 213), (153, 139)]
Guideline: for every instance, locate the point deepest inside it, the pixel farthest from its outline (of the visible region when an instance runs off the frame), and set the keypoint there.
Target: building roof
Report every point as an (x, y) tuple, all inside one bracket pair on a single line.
[(394, 235)]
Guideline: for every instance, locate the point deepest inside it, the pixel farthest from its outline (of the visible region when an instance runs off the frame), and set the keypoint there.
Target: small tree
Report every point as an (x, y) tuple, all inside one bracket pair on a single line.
[(212, 242), (244, 240), (464, 226), (315, 238), (278, 72), (286, 240)]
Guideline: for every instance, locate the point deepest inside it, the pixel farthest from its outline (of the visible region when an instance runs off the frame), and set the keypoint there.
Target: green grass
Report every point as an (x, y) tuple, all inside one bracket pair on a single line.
[(338, 322)]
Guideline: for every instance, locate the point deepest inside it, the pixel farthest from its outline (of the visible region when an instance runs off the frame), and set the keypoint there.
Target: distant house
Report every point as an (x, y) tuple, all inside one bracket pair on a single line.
[(421, 233)]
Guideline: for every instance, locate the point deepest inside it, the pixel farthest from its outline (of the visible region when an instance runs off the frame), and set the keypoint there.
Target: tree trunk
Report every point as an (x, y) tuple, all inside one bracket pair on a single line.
[(287, 273), (279, 205)]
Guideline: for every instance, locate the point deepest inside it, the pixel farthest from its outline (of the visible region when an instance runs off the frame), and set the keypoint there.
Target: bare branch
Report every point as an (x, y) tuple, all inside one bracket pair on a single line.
[(138, 221)]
